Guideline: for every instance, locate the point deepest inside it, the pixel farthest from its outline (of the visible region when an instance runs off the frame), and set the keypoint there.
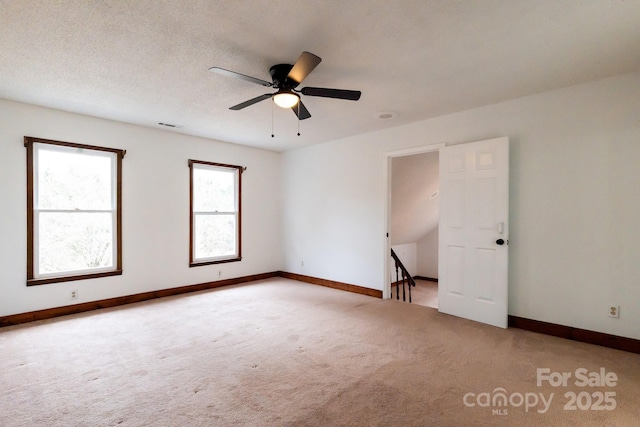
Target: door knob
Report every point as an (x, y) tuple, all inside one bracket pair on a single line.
[(500, 242)]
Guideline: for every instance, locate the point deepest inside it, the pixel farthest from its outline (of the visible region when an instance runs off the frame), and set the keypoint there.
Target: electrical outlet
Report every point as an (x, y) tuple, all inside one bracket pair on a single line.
[(74, 294), (219, 273), (302, 263), (614, 311)]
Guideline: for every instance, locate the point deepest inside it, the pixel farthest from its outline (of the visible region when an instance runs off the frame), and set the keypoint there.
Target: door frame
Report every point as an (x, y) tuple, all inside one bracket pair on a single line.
[(388, 158)]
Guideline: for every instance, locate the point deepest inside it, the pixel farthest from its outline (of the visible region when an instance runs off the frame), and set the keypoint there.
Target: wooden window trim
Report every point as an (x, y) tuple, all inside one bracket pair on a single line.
[(241, 169), (31, 280)]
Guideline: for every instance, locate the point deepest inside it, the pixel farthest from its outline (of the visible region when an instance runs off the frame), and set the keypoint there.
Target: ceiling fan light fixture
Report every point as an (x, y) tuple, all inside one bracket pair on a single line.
[(285, 78), (285, 99)]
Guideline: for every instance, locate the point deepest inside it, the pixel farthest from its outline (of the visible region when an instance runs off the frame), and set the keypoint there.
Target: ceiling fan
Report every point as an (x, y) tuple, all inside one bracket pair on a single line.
[(285, 78)]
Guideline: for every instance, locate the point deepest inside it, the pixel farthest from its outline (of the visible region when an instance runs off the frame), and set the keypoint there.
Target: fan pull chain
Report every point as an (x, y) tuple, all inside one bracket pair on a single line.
[(272, 135), (299, 117)]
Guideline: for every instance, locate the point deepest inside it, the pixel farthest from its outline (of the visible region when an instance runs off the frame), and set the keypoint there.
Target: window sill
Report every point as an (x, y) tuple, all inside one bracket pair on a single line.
[(218, 261), (45, 281)]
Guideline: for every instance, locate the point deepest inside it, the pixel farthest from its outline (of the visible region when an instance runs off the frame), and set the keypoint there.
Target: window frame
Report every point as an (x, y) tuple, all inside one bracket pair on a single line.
[(238, 170), (33, 278)]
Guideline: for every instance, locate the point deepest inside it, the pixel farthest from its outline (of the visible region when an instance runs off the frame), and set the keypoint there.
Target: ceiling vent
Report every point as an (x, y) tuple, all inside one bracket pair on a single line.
[(385, 115), (169, 125)]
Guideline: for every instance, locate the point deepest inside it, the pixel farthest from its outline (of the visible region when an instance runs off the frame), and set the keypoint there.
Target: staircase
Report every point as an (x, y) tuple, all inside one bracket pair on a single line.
[(402, 278)]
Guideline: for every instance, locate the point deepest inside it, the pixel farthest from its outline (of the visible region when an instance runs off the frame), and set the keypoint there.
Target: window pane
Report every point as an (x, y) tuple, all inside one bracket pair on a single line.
[(215, 236), (72, 180), (213, 190), (74, 241)]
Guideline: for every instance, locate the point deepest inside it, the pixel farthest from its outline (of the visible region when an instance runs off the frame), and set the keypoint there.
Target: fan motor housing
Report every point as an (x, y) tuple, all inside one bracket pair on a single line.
[(279, 75)]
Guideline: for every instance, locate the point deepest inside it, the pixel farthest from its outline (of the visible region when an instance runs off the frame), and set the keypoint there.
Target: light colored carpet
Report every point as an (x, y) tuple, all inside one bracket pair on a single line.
[(284, 353), (425, 293)]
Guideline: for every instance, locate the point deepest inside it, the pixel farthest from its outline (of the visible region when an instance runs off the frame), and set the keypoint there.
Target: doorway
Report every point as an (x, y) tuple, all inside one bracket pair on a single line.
[(473, 228), (412, 221)]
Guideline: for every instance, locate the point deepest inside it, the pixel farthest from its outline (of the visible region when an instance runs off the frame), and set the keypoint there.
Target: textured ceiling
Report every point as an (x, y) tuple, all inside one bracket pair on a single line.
[(147, 61)]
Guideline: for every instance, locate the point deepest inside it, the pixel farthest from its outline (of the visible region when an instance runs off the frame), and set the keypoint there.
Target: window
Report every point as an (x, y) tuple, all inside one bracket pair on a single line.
[(73, 211), (215, 213)]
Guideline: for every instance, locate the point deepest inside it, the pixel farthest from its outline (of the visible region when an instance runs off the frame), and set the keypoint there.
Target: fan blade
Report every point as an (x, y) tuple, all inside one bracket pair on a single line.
[(257, 99), (303, 113), (304, 65), (228, 73), (351, 95)]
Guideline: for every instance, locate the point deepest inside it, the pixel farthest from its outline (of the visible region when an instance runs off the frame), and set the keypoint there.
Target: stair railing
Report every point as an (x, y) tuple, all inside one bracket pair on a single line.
[(402, 277)]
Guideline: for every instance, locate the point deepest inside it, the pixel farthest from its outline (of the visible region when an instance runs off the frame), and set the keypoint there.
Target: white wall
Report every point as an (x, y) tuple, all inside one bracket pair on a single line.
[(331, 194), (413, 210), (427, 255), (155, 207), (574, 201)]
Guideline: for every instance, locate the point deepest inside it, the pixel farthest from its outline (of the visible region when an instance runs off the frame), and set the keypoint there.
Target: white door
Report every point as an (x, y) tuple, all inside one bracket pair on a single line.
[(473, 231)]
